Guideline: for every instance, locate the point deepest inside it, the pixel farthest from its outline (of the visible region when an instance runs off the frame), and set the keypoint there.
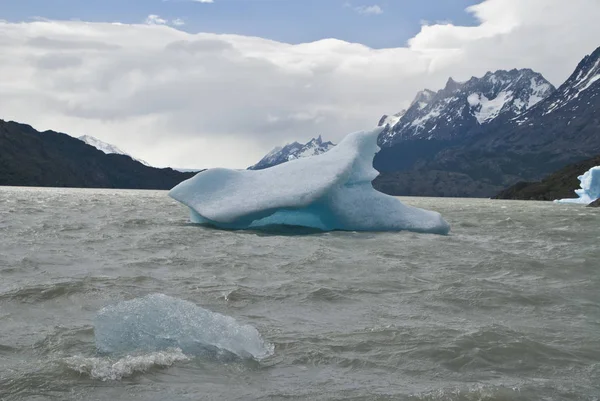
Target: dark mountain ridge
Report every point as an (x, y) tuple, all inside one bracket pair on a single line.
[(52, 159)]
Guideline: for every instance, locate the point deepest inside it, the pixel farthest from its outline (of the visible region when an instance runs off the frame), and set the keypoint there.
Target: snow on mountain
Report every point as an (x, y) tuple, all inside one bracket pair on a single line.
[(462, 108), (422, 99), (107, 147), (391, 120), (292, 151), (100, 145)]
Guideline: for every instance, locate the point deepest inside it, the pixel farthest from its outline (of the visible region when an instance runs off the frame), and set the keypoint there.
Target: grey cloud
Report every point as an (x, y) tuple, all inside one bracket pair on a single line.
[(58, 61)]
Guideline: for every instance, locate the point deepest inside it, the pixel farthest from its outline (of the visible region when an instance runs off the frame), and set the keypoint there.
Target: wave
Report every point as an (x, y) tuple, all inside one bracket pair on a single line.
[(62, 289), (477, 392), (107, 369)]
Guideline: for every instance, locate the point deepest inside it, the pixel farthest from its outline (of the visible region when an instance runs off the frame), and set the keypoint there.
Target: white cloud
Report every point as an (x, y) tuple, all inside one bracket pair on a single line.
[(203, 1), (203, 100), (368, 10), (155, 20)]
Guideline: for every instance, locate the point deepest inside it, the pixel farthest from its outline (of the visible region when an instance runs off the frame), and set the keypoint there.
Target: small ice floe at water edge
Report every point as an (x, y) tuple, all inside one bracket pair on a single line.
[(158, 322), (590, 188), (331, 191)]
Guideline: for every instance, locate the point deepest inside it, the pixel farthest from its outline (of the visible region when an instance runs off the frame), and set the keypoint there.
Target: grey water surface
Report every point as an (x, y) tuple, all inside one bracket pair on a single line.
[(506, 307)]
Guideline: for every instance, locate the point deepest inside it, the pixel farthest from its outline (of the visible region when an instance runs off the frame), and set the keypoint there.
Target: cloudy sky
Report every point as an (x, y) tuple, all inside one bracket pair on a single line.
[(206, 83)]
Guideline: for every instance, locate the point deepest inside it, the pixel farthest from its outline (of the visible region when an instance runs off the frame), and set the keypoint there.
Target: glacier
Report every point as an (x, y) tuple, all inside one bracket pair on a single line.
[(590, 188), (331, 191), (158, 322)]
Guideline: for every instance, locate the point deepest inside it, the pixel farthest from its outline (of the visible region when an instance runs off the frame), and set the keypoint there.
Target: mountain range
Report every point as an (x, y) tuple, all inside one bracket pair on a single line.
[(462, 110), (478, 137), (292, 151)]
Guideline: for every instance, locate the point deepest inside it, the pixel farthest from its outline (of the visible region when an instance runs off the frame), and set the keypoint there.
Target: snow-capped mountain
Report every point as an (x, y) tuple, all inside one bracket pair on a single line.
[(292, 151), (559, 130), (462, 109), (106, 147)]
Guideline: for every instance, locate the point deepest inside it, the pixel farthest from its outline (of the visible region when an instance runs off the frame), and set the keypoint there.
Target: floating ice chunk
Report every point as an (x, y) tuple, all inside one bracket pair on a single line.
[(158, 322), (590, 188), (331, 191)]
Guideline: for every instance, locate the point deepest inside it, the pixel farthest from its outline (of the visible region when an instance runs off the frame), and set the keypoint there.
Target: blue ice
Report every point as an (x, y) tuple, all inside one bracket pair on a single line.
[(332, 191), (590, 188), (158, 322)]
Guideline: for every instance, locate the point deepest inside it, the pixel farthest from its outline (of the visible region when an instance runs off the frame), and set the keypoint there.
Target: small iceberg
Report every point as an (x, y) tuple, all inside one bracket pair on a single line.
[(590, 188), (158, 322), (331, 191)]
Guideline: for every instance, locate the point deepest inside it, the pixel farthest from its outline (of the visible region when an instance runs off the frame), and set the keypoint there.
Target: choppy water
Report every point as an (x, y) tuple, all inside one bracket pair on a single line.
[(507, 307)]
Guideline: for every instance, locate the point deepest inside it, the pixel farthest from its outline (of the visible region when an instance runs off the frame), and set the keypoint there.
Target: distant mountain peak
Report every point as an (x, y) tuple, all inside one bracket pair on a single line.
[(460, 108), (452, 85), (317, 141), (293, 151)]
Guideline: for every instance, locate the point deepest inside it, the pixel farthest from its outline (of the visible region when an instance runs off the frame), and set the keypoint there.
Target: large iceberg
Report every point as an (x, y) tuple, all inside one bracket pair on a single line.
[(331, 191), (158, 322), (590, 188)]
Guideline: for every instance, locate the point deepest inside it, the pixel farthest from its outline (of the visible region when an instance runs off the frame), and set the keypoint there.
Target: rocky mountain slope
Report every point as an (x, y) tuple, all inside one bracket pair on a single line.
[(52, 159), (292, 151)]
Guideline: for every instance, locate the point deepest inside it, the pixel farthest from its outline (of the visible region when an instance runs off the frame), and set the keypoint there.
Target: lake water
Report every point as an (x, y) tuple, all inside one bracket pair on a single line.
[(506, 307)]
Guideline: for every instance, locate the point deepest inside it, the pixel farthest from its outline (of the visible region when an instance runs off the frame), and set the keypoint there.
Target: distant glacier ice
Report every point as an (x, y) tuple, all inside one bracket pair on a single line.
[(158, 322), (331, 191), (590, 188)]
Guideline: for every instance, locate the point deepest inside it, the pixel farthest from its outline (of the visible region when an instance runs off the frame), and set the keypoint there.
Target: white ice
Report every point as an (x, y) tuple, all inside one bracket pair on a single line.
[(158, 322), (590, 188), (331, 191)]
